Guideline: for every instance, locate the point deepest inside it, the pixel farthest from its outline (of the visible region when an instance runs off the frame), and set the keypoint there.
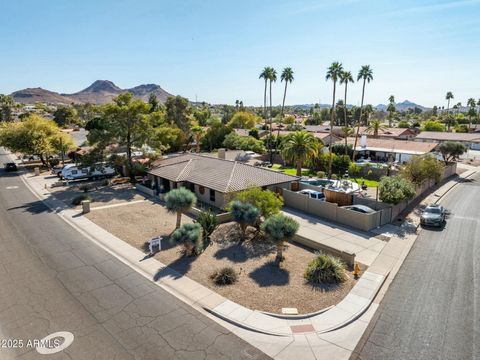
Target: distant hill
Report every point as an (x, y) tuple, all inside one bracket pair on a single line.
[(100, 92), (405, 105), (33, 95)]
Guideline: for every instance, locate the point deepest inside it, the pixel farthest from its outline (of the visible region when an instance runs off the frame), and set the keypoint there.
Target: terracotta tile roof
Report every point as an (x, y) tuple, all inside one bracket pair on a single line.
[(221, 175), (447, 136), (394, 146)]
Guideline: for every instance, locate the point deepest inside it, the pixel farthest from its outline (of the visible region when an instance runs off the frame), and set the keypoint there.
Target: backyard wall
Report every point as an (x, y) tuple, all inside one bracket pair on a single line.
[(331, 211), (390, 212)]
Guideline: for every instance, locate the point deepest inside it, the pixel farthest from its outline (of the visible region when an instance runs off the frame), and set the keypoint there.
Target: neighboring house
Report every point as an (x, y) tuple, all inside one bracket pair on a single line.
[(214, 180), (471, 140), (324, 137), (384, 150), (246, 132), (390, 133)]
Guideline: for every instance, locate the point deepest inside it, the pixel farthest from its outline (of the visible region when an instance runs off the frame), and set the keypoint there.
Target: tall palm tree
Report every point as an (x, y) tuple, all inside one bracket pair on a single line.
[(448, 97), (375, 126), (272, 78), (298, 147), (366, 74), (345, 78), (265, 75), (471, 104), (333, 73), (287, 76), (391, 109)]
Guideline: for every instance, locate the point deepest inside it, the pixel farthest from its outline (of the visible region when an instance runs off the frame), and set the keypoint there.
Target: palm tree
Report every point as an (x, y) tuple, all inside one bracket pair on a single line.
[(198, 132), (265, 75), (287, 76), (346, 132), (448, 97), (391, 109), (472, 104), (298, 147), (333, 73), (345, 78), (272, 78), (366, 74), (374, 127)]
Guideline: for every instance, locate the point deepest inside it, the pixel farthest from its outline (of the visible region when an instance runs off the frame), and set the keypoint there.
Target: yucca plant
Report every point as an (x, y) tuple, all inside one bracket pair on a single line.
[(209, 223), (325, 269)]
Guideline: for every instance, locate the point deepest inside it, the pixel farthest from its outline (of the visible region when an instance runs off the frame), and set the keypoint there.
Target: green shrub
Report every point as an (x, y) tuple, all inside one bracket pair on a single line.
[(395, 189), (190, 237), (224, 276), (334, 177), (86, 187), (77, 200), (325, 269), (209, 223), (266, 201), (321, 174)]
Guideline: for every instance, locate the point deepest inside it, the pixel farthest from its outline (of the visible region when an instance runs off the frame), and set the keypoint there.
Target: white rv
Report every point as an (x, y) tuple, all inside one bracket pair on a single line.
[(74, 172)]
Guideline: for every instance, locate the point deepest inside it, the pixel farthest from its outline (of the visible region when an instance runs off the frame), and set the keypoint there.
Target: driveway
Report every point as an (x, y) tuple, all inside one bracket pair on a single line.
[(365, 246)]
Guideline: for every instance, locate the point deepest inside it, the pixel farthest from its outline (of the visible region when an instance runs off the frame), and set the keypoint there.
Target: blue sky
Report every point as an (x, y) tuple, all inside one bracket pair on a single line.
[(215, 50)]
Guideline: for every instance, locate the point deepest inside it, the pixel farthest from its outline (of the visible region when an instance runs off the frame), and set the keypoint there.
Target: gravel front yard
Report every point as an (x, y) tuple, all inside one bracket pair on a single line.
[(261, 285)]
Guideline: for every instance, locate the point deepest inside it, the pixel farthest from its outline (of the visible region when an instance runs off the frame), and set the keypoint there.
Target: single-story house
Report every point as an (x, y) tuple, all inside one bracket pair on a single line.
[(471, 140), (324, 137), (390, 133), (214, 180), (384, 150)]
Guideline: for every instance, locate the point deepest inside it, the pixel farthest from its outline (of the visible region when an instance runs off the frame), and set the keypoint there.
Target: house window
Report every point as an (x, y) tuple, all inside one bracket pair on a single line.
[(201, 190), (212, 195)]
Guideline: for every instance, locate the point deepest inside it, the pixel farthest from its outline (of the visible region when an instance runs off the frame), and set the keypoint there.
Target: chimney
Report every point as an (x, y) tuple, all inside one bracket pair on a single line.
[(221, 154)]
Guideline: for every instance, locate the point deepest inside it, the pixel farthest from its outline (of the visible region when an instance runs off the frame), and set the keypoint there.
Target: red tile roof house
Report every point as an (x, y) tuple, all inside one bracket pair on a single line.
[(214, 180), (383, 149), (471, 140)]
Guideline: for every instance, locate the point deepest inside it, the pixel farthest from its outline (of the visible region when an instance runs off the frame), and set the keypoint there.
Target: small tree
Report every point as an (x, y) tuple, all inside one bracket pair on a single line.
[(178, 201), (190, 237), (354, 170), (280, 228), (209, 223), (420, 168), (395, 189), (245, 215), (451, 150), (266, 201)]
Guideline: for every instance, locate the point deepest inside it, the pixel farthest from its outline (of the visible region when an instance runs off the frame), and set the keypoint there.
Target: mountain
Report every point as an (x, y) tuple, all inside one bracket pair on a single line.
[(144, 91), (405, 105), (100, 92), (33, 95)]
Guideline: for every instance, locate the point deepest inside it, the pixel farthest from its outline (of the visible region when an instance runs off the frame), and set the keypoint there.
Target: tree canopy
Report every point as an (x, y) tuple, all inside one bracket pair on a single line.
[(395, 189), (451, 150), (266, 201), (35, 136), (244, 120)]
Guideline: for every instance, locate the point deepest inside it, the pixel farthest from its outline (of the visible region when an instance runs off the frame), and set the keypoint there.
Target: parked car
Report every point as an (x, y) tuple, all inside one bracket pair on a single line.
[(433, 215), (10, 166), (312, 194), (58, 170), (359, 208), (76, 173)]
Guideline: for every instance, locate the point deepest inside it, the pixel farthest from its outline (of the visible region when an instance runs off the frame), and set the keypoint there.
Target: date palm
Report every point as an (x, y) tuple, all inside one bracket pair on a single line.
[(448, 97), (345, 78), (265, 75), (198, 133), (374, 127), (365, 74), (272, 78), (299, 147), (333, 73), (391, 109), (287, 76)]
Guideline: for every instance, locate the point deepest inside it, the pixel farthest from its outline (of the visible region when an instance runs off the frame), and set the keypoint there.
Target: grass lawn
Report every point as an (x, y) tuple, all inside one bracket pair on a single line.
[(369, 183), (293, 171)]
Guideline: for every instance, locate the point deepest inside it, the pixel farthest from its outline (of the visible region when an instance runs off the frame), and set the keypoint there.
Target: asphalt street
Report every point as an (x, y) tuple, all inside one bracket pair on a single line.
[(432, 308), (54, 279)]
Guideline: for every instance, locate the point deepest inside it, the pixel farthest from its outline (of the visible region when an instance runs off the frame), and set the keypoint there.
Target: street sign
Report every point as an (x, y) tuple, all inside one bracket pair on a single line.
[(156, 241)]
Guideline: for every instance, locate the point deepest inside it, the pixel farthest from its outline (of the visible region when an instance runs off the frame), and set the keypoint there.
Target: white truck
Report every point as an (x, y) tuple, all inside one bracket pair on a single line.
[(73, 172)]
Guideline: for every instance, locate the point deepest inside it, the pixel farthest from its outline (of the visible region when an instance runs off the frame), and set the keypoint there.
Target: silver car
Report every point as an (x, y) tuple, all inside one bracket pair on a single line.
[(433, 215)]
